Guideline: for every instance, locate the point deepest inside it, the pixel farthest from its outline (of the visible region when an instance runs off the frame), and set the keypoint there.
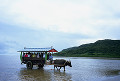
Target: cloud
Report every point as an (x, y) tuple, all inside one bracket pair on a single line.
[(16, 38), (64, 17), (61, 23)]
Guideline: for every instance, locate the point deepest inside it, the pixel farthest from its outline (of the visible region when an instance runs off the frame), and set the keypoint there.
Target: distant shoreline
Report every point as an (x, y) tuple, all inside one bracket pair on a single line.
[(100, 48), (90, 56)]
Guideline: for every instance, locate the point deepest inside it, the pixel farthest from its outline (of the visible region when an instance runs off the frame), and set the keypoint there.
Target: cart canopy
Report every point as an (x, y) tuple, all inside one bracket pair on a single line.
[(49, 49)]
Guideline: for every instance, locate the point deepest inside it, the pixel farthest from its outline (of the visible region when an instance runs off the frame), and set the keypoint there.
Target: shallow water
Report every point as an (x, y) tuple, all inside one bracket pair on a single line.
[(83, 69)]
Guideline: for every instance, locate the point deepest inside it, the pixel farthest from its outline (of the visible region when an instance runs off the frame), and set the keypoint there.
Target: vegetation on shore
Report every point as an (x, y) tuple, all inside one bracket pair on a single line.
[(101, 48)]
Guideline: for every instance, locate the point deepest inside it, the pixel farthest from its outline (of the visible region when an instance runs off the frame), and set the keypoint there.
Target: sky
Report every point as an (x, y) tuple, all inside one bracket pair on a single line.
[(58, 23)]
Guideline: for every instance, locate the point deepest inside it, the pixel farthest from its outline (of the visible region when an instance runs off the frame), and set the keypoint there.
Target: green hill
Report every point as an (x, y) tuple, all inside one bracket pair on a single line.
[(101, 48)]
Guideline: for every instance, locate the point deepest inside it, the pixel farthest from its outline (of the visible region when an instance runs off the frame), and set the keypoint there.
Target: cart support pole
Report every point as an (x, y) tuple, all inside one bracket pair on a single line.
[(21, 57), (45, 56)]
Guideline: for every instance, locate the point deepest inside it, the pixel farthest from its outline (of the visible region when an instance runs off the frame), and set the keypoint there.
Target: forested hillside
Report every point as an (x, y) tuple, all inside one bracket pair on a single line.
[(101, 48)]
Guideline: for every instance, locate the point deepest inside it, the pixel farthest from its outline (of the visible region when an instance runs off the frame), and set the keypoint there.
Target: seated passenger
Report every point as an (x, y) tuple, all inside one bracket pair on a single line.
[(34, 55), (26, 55), (29, 54), (43, 55), (38, 55), (23, 55)]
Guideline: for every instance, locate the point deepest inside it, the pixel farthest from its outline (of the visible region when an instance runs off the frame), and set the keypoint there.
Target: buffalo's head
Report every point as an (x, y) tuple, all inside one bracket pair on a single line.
[(68, 63)]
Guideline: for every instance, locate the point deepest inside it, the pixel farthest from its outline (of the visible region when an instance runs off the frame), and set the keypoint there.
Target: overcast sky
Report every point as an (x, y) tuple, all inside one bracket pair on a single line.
[(57, 23)]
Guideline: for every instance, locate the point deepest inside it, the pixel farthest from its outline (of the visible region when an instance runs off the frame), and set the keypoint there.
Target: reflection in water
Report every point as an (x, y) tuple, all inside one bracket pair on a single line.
[(84, 69), (109, 73), (113, 72), (43, 75), (61, 76)]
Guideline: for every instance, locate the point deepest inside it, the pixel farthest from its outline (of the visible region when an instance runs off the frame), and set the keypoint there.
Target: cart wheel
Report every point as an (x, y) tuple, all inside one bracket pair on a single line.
[(40, 65), (29, 65)]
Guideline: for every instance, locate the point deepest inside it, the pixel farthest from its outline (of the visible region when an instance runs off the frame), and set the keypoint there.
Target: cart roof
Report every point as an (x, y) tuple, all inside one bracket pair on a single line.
[(49, 49)]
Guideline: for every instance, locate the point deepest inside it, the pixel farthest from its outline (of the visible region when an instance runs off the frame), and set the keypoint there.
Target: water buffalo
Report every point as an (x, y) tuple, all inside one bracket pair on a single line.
[(61, 63)]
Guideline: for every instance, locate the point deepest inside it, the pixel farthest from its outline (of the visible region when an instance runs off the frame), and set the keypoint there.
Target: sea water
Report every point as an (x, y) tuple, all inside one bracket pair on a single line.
[(83, 69)]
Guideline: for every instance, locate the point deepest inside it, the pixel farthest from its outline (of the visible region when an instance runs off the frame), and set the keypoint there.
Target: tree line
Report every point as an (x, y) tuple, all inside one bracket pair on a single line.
[(100, 48)]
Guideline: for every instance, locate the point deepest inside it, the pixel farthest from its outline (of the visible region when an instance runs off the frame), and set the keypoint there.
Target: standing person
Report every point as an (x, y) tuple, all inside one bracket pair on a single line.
[(50, 57)]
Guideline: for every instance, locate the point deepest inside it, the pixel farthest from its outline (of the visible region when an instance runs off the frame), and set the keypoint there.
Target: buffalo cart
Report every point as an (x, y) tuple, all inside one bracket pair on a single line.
[(35, 56)]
